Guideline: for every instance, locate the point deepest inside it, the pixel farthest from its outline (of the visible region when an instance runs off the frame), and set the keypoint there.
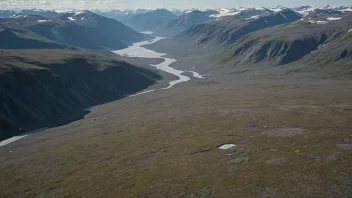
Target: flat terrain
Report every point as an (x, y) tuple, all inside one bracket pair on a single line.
[(293, 137)]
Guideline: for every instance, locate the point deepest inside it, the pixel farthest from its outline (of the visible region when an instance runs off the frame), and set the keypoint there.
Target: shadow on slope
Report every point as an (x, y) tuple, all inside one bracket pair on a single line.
[(52, 87)]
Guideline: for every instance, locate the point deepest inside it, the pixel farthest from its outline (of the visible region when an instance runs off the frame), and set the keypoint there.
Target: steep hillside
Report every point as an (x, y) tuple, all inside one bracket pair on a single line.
[(44, 88), (223, 32), (229, 29), (287, 43), (13, 40), (150, 21), (83, 30), (334, 57), (186, 21)]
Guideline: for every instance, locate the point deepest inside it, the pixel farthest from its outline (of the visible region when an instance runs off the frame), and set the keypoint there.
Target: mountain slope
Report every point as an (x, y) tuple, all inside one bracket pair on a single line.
[(229, 29), (83, 29), (44, 88), (12, 40), (6, 13), (286, 43), (150, 21), (186, 21), (43, 13), (212, 36)]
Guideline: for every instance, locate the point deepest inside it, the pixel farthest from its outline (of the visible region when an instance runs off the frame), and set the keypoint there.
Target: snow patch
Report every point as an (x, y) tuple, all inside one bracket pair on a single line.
[(13, 139), (318, 22), (148, 32), (226, 146), (253, 17), (225, 12), (71, 19), (42, 21), (349, 31), (8, 141), (283, 16), (78, 13), (333, 18)]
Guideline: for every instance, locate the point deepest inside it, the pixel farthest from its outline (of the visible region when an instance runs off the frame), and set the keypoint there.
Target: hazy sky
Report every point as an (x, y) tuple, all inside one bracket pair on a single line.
[(123, 4)]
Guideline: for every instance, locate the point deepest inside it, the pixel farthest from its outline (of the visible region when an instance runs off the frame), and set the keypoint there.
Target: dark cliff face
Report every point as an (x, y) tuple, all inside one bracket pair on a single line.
[(37, 94)]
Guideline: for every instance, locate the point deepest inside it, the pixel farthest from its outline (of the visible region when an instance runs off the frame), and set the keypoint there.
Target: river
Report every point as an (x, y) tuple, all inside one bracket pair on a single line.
[(137, 50)]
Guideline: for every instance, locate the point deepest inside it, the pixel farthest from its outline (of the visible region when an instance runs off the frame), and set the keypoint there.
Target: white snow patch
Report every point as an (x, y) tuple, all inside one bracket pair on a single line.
[(253, 17), (322, 22), (226, 146), (88, 109), (13, 139), (283, 16), (225, 12), (148, 32), (349, 31), (8, 141), (333, 18), (346, 10), (77, 13), (42, 21), (72, 19), (276, 9), (318, 22)]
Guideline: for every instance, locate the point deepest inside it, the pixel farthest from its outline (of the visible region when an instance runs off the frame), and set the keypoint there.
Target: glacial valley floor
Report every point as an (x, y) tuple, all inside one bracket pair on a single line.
[(293, 139)]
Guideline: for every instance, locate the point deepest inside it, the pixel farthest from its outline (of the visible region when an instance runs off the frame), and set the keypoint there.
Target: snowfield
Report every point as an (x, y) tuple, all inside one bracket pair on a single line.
[(333, 18)]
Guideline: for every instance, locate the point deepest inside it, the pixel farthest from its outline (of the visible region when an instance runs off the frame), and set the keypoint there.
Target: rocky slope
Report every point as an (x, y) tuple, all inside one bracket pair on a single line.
[(229, 29), (219, 34), (44, 88), (288, 43), (80, 29)]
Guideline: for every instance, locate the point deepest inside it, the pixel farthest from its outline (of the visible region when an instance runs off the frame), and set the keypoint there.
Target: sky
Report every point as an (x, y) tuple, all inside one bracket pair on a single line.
[(181, 4)]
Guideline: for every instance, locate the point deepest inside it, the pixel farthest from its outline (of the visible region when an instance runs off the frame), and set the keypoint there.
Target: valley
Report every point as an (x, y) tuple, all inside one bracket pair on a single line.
[(242, 102)]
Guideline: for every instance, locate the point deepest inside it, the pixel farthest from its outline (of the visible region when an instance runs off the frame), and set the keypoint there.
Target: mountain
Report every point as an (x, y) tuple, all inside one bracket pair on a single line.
[(150, 21), (288, 43), (75, 29), (120, 15), (12, 40), (6, 13), (45, 88), (187, 20), (311, 11), (38, 12), (224, 31)]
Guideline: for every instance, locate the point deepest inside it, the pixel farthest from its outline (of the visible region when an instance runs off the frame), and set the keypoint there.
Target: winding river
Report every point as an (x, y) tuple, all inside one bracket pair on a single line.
[(137, 50)]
